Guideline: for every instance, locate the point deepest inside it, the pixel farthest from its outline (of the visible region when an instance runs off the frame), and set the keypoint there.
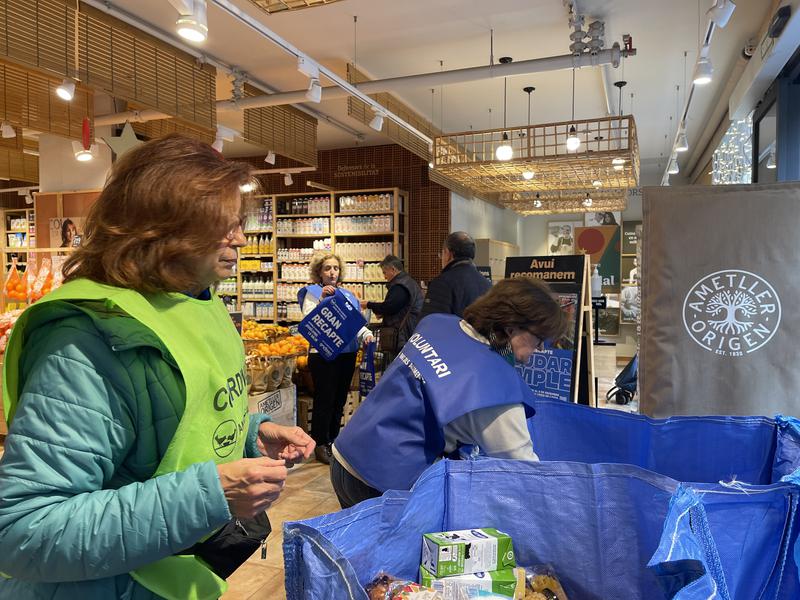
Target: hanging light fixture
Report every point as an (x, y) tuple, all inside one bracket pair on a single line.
[(287, 179), (194, 25), (528, 173), (771, 164), (573, 141), (537, 203), (673, 169), (7, 130), (66, 91), (314, 92), (270, 157), (597, 184), (83, 154), (248, 187), (587, 202), (504, 151)]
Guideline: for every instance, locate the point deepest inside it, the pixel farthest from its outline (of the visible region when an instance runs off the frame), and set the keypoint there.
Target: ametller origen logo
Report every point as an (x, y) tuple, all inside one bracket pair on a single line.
[(732, 312)]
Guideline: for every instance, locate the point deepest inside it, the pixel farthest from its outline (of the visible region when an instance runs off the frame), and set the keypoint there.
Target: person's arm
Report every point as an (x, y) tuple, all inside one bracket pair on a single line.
[(439, 299), (74, 427), (499, 431), (396, 300)]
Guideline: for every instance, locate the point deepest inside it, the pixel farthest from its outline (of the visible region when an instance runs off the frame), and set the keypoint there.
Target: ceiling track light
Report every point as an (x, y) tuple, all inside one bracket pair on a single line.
[(218, 144), (703, 72), (673, 169), (682, 144), (7, 130), (83, 154), (66, 91), (193, 26), (377, 121), (721, 12), (771, 162), (287, 179), (314, 92), (270, 157)]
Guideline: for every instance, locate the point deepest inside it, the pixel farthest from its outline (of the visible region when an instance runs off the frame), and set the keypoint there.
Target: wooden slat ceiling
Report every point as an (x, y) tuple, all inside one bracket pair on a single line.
[(111, 56), (283, 129), (273, 6)]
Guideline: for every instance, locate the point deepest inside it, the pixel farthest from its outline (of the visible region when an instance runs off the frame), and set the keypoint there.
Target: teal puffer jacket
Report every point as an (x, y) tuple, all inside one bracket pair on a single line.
[(100, 402)]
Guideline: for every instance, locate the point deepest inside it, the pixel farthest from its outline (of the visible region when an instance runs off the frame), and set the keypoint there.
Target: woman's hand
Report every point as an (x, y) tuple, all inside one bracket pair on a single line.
[(328, 290), (368, 339), (251, 485), (290, 444)]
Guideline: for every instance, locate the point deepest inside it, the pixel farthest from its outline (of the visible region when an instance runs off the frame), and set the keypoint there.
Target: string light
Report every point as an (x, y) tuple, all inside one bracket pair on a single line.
[(731, 161)]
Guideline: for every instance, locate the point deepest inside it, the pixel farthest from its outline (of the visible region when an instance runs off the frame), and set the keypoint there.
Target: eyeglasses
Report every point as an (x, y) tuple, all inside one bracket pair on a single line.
[(539, 342)]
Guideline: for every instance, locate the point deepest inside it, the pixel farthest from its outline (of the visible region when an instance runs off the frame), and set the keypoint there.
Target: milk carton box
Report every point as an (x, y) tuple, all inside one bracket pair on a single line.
[(468, 551), (508, 582)]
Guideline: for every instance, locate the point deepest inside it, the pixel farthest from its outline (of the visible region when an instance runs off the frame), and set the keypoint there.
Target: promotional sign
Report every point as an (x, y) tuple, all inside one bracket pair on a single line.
[(331, 325), (630, 236), (551, 373), (719, 275), (602, 245)]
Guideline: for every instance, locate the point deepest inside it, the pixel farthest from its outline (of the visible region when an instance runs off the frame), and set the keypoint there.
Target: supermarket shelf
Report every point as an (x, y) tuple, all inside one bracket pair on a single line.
[(364, 212), (251, 231), (325, 214), (284, 280), (254, 255), (287, 320), (227, 294), (363, 233), (365, 281), (294, 260), (304, 235), (258, 298), (16, 231), (262, 271), (261, 319)]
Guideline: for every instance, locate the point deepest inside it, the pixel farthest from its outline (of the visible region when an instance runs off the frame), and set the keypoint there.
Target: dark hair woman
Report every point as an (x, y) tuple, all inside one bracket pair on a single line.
[(124, 473), (453, 384)]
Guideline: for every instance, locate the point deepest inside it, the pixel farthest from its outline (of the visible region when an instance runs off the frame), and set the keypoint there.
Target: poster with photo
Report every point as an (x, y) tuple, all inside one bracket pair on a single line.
[(629, 304), (66, 232), (602, 246), (593, 219), (561, 237), (630, 270), (631, 230)]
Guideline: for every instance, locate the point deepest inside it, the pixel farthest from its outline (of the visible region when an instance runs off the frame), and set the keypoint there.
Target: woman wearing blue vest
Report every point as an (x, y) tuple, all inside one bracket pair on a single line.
[(453, 384), (331, 378), (132, 468)]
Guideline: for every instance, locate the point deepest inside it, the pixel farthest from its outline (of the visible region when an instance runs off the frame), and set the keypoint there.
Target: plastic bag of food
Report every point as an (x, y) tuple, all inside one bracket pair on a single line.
[(30, 278), (14, 288), (386, 587), (543, 584), (42, 282)]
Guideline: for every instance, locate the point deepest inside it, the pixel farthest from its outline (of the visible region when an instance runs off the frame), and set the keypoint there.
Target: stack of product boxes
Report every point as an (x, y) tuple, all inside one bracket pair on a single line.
[(458, 563)]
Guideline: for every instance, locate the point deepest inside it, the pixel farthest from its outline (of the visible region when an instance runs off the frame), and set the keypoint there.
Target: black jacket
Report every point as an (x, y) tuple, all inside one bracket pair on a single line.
[(458, 286)]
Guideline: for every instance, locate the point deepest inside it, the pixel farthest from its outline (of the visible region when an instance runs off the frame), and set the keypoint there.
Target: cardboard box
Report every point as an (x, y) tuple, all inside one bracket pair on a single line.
[(468, 551), (504, 583), (280, 405)]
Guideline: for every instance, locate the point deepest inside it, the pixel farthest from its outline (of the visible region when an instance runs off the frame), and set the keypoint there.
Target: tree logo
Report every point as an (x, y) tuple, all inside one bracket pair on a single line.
[(732, 312)]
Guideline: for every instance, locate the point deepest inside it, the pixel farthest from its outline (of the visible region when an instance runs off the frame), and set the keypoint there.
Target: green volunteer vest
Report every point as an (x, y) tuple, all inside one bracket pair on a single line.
[(202, 339)]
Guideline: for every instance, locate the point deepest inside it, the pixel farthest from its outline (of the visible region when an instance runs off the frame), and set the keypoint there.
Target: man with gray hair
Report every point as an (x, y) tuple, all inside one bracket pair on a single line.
[(460, 283)]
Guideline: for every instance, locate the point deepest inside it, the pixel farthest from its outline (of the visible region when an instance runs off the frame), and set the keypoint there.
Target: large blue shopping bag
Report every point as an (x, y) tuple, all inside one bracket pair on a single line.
[(608, 531), (332, 325)]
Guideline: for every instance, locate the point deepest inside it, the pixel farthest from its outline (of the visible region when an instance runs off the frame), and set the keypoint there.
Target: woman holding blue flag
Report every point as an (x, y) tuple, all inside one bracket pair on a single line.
[(454, 384), (331, 378)]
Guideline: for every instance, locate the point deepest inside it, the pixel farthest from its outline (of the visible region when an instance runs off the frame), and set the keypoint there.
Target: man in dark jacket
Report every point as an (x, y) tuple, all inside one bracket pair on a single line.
[(460, 283)]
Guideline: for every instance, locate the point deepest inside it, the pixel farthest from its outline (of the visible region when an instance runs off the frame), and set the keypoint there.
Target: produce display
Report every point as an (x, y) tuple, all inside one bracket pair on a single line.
[(295, 345), (7, 320), (31, 285), (251, 330)]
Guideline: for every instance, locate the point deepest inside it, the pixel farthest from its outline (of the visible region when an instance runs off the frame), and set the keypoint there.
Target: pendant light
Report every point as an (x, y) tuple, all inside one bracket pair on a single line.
[(528, 173), (673, 169), (504, 151), (193, 26), (573, 141), (587, 202), (537, 203)]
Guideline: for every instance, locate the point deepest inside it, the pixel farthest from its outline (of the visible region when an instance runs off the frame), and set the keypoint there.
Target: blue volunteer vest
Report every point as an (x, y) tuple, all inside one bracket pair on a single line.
[(440, 375), (315, 290)]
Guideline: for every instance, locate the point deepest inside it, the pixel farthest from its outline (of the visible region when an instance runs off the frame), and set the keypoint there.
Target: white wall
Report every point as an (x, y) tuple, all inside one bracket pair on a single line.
[(483, 220), (60, 172)]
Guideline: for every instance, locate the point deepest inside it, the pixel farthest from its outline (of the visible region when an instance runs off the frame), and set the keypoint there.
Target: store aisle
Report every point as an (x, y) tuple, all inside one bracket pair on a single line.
[(308, 493)]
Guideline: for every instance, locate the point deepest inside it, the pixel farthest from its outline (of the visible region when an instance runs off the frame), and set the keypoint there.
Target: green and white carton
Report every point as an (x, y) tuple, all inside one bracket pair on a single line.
[(456, 587), (468, 551)]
